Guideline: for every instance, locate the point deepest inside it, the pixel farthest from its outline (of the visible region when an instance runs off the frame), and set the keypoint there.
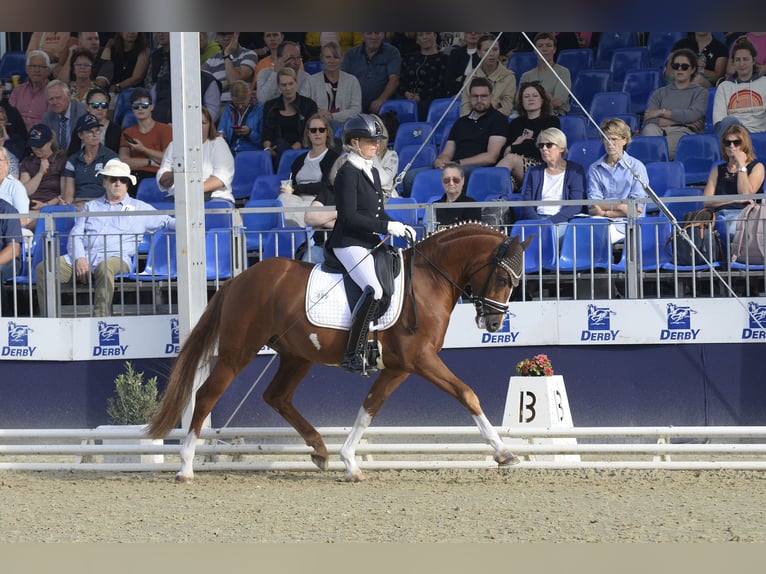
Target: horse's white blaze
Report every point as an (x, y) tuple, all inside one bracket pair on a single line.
[(489, 433), (188, 448), (348, 450), (314, 338)]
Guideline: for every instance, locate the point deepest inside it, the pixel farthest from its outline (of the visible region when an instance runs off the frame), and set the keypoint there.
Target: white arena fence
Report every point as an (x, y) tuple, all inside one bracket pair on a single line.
[(389, 448)]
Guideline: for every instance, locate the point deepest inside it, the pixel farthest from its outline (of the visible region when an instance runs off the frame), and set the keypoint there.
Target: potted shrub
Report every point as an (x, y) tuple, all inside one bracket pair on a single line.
[(134, 404)]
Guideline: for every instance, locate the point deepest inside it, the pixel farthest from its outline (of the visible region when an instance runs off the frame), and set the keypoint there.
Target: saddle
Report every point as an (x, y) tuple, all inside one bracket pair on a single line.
[(329, 305)]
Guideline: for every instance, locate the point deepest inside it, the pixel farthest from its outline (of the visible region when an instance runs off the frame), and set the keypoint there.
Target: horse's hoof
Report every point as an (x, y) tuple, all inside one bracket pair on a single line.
[(506, 458), (182, 478), (355, 477), (321, 462)]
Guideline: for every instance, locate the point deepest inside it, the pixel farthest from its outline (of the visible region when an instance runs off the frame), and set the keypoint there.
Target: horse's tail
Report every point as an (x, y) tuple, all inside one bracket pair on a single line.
[(181, 380)]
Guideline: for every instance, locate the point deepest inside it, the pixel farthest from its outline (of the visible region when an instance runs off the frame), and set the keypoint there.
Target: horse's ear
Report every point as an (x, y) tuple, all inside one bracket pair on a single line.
[(527, 241)]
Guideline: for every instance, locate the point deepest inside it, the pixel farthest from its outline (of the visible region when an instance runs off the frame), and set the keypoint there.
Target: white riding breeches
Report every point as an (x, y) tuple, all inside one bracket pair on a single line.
[(360, 265)]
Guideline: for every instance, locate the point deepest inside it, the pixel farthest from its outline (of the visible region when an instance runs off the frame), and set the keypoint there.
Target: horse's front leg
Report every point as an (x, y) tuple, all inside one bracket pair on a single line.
[(503, 455), (381, 389)]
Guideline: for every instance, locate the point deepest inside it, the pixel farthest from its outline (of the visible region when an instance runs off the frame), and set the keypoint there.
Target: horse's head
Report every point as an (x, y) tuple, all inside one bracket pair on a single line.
[(493, 283)]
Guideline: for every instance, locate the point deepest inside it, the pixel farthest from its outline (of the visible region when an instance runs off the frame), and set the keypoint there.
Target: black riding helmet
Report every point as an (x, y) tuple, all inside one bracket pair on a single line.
[(362, 126)]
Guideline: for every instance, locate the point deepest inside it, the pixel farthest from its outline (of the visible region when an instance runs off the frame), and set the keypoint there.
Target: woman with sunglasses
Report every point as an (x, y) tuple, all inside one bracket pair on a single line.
[(741, 174), (453, 181), (310, 172), (143, 144), (679, 108), (535, 115), (557, 179), (97, 103)]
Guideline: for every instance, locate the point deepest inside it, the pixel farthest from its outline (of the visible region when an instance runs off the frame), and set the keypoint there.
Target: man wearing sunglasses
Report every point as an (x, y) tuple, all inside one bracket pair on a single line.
[(101, 247), (143, 144), (679, 108)]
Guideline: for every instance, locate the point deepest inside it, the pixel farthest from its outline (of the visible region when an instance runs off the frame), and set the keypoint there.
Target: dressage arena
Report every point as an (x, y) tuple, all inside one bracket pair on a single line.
[(444, 506)]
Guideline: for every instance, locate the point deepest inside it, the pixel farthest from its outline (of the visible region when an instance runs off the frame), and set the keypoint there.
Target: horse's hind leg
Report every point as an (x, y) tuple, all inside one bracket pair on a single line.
[(207, 395), (381, 389), (279, 395)]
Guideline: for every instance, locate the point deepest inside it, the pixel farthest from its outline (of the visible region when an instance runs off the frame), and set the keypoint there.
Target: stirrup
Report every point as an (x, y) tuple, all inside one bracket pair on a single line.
[(357, 364)]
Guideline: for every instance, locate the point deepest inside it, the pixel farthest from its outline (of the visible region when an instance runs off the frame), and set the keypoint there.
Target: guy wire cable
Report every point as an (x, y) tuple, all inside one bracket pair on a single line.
[(399, 178), (657, 200)]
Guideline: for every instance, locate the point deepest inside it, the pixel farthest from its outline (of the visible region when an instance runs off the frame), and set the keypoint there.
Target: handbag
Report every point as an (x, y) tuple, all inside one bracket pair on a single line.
[(699, 225)]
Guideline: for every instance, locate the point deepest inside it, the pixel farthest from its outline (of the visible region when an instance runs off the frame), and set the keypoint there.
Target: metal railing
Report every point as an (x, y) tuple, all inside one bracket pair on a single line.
[(580, 263)]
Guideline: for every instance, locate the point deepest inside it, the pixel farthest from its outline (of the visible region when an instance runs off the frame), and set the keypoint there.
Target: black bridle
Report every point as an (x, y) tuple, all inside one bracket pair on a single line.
[(483, 304)]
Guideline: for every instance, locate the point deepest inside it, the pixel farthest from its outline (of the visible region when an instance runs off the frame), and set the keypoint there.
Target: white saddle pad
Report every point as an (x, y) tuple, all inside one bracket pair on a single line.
[(327, 304)]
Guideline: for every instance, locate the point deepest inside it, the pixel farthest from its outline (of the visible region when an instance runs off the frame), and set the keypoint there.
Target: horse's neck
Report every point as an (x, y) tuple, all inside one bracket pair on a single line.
[(458, 254)]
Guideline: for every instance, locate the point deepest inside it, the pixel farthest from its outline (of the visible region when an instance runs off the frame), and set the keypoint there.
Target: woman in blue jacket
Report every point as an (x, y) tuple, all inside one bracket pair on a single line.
[(555, 179)]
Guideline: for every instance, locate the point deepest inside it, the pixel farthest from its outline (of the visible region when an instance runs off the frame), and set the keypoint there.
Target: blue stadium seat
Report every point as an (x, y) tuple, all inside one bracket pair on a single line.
[(62, 227), (283, 242), (587, 84), (659, 45), (626, 59), (649, 148), (585, 152), (427, 184), (406, 111), (218, 254), (425, 158), (610, 41), (759, 144), (445, 134), (542, 251), (265, 187), (488, 183), (13, 63), (436, 110), (312, 67), (149, 191), (520, 62), (575, 127), (257, 224), (286, 160), (161, 262), (698, 153), (608, 104), (664, 175), (248, 165), (678, 209), (586, 245), (222, 220), (652, 236), (575, 60), (640, 84), (122, 106), (410, 133), (709, 128)]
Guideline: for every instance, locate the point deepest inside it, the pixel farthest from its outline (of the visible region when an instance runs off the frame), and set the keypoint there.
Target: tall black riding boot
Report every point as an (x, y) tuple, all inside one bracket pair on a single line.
[(364, 311)]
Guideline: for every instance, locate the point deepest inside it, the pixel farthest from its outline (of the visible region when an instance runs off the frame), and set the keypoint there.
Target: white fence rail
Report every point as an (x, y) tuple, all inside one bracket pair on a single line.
[(390, 448)]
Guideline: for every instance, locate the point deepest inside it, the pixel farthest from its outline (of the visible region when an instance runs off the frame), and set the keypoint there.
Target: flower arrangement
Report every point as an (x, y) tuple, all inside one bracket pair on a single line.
[(537, 366)]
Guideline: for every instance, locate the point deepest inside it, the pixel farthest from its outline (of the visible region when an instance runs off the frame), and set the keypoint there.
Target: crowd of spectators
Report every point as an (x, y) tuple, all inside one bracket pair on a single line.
[(275, 91)]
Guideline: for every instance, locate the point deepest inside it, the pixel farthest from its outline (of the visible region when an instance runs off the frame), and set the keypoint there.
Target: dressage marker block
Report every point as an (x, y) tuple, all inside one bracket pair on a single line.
[(539, 402)]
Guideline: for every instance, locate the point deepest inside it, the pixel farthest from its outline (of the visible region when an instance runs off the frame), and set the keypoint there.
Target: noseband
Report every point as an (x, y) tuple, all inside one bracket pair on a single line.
[(484, 305)]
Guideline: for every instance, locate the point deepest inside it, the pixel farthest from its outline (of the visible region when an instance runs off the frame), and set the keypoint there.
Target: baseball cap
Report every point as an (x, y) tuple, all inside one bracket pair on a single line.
[(87, 123), (39, 135)]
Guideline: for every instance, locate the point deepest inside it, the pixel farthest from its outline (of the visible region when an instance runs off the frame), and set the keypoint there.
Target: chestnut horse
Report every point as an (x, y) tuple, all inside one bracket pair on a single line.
[(265, 306)]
